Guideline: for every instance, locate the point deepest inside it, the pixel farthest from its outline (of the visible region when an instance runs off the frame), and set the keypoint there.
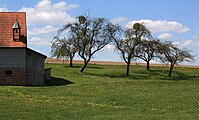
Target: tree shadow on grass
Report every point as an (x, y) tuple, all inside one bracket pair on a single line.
[(111, 75), (95, 67), (178, 76), (90, 66), (149, 75), (74, 66), (58, 82), (139, 75)]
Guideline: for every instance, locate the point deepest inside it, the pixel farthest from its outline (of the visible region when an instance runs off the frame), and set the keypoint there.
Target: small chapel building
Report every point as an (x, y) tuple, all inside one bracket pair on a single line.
[(19, 65)]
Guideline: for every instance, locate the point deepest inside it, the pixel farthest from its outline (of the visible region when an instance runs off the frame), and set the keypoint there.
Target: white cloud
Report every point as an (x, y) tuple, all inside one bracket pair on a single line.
[(109, 48), (4, 9), (47, 5), (106, 51), (45, 13), (42, 19), (119, 20), (38, 41), (43, 4), (165, 36), (183, 43), (187, 42), (43, 30), (155, 61), (160, 25)]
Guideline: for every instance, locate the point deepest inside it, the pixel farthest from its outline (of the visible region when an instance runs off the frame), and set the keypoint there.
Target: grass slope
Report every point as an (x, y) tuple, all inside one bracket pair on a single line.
[(104, 93)]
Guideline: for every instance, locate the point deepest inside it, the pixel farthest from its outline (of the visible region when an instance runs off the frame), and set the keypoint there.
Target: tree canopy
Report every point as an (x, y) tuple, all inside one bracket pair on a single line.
[(92, 34), (64, 48), (173, 54), (147, 50), (128, 45), (87, 36)]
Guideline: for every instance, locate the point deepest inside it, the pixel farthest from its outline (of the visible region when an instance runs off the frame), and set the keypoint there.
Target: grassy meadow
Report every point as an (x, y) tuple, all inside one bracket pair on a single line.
[(104, 93)]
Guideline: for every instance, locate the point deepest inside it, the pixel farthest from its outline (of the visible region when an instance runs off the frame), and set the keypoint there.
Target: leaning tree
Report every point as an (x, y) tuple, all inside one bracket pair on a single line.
[(173, 54), (129, 43), (92, 34)]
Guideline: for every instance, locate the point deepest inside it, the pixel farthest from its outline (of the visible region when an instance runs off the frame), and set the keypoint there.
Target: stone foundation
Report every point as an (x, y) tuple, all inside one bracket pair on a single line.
[(12, 76)]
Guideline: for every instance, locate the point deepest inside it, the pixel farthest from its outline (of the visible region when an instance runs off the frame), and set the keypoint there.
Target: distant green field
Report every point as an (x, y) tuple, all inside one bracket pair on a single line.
[(104, 93)]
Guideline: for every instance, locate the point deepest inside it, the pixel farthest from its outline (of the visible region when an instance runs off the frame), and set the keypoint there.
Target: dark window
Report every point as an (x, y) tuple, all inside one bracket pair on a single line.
[(8, 72)]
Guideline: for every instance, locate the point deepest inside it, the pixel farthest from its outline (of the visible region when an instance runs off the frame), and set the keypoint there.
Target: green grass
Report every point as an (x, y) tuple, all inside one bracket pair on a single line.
[(104, 93)]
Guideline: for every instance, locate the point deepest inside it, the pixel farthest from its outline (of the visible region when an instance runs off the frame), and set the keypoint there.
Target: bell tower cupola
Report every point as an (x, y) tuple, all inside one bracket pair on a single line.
[(16, 31)]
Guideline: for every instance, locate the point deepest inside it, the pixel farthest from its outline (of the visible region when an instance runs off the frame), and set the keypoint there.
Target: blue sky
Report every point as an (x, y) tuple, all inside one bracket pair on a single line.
[(175, 20)]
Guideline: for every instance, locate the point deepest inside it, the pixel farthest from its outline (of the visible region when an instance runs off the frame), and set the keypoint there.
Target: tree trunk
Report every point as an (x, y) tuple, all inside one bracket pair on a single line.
[(71, 62), (171, 69), (127, 69), (148, 65), (84, 66), (128, 66)]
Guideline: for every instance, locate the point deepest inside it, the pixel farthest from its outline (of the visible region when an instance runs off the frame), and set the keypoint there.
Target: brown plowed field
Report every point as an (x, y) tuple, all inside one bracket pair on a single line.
[(57, 61)]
